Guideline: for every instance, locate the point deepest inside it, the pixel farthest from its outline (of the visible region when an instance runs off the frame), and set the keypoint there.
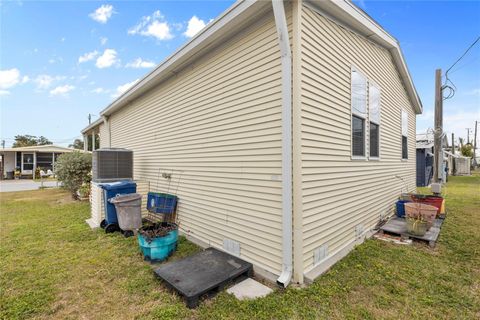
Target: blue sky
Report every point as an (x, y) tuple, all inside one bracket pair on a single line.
[(61, 60)]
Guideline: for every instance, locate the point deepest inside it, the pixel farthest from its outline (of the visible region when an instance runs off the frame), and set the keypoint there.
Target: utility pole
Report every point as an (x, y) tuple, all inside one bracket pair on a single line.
[(89, 119), (438, 126), (453, 152), (475, 145), (468, 135)]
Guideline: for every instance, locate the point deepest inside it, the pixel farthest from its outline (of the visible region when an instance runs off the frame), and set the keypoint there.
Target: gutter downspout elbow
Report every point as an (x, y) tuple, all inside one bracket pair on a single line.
[(286, 59)]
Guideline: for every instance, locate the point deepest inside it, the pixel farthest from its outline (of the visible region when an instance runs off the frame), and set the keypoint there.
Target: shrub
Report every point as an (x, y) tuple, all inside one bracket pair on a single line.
[(73, 170), (84, 190), (467, 150), (37, 173)]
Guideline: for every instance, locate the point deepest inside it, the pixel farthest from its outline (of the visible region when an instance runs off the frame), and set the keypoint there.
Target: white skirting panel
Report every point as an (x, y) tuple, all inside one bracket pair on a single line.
[(97, 210)]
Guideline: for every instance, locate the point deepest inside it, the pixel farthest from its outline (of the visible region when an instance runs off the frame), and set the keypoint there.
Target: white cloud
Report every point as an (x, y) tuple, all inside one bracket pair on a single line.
[(194, 26), (102, 14), (44, 81), (103, 40), (62, 90), (55, 59), (9, 78), (124, 87), (456, 119), (107, 59), (88, 56), (99, 90), (154, 25), (460, 120), (140, 63)]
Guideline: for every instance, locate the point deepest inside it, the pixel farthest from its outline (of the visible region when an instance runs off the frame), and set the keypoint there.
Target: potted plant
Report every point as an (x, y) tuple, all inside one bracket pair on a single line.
[(17, 173), (419, 217), (158, 241), (417, 225)]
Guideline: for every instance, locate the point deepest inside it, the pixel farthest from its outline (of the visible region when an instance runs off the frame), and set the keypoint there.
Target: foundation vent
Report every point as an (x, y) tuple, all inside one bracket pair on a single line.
[(319, 254), (231, 246)]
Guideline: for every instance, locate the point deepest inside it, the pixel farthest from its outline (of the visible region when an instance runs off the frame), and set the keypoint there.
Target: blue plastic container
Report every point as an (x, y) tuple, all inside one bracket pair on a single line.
[(110, 190), (160, 248), (161, 203), (401, 208)]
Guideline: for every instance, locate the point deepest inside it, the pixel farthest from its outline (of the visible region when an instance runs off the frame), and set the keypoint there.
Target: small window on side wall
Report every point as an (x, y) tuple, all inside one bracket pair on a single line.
[(358, 136), (404, 135), (359, 113), (374, 118)]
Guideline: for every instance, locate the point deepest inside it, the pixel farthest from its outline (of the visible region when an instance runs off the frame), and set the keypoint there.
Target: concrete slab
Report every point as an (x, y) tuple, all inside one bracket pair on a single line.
[(249, 289)]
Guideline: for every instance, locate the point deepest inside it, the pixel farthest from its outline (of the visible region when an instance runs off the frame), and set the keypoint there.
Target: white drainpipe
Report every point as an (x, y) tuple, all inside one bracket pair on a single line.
[(286, 56)]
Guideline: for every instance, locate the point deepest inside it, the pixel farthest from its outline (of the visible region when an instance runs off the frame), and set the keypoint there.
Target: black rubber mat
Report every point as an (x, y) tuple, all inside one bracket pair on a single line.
[(204, 273)]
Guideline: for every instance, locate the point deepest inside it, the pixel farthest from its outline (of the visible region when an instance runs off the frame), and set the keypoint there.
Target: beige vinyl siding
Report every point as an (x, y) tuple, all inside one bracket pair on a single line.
[(340, 193), (103, 134), (217, 125)]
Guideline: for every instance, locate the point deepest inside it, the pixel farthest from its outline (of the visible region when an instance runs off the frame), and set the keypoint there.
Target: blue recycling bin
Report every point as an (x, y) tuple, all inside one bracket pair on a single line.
[(110, 190), (161, 203), (401, 208)]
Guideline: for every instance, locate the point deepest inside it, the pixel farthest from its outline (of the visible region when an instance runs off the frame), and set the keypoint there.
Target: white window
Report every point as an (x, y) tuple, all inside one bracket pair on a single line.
[(359, 112), (374, 118), (404, 134)]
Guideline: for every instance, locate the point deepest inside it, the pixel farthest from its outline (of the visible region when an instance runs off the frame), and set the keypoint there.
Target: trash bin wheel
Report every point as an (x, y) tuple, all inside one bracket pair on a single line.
[(103, 224), (128, 233), (112, 227)]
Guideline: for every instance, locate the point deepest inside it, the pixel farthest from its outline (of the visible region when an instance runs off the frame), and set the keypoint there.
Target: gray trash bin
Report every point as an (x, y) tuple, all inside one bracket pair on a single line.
[(129, 210)]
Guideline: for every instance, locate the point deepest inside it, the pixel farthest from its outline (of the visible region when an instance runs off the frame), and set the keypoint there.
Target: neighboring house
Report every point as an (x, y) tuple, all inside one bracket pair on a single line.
[(27, 159), (91, 135), (425, 158), (294, 132), (457, 164)]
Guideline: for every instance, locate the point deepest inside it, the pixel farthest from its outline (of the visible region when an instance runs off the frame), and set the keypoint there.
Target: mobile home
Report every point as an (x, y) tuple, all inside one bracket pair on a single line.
[(289, 127)]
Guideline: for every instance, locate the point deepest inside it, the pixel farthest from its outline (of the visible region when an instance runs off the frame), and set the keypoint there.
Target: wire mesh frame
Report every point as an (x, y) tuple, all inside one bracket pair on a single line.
[(156, 217)]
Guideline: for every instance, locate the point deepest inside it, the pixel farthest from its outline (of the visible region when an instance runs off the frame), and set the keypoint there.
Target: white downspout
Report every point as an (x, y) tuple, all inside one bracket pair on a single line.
[(286, 57)]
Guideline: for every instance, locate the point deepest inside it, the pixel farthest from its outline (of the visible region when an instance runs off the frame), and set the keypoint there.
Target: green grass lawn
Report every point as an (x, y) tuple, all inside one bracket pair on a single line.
[(54, 266)]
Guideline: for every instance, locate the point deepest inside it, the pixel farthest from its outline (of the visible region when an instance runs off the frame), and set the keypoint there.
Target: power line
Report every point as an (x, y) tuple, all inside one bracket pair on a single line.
[(461, 57), (449, 85), (468, 62)]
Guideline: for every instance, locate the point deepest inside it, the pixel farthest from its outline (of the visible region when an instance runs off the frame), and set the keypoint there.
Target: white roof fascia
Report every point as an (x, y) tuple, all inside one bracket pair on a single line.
[(97, 122), (41, 148)]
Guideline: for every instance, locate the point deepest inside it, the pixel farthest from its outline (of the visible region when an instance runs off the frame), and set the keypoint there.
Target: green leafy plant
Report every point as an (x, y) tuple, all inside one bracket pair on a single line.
[(467, 150), (84, 190), (37, 173), (74, 170)]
